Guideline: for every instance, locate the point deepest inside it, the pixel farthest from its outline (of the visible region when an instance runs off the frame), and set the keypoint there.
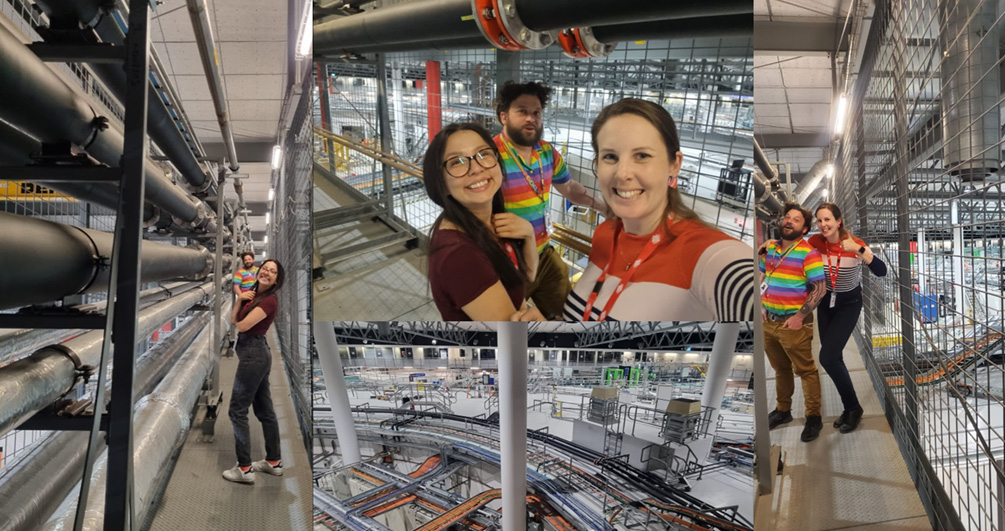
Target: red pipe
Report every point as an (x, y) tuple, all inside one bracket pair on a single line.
[(434, 108)]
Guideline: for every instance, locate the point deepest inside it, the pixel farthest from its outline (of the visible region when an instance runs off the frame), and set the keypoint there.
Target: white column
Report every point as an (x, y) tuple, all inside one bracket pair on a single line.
[(338, 395), (513, 424), (719, 363), (958, 291)]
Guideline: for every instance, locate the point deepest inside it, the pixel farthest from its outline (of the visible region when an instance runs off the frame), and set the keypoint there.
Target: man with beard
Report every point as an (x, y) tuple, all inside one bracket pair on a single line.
[(245, 277), (792, 286), (530, 167)]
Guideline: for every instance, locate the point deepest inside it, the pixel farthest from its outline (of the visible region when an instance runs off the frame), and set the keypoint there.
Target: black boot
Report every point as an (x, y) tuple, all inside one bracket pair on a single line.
[(812, 428), (777, 418), (854, 417), (841, 420)]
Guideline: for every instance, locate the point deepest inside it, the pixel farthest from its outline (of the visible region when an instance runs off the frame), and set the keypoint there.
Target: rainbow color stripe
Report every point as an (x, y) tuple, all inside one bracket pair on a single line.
[(518, 196), (788, 280)]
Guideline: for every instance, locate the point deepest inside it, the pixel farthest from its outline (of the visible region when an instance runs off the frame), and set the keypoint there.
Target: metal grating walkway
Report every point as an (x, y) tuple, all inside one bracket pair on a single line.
[(842, 481), (197, 497)]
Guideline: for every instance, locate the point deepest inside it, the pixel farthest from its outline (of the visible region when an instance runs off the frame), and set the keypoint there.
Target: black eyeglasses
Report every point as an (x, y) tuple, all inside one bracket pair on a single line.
[(461, 166)]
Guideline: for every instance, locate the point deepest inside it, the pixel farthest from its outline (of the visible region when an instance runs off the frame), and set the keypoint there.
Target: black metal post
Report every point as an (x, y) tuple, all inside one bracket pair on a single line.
[(119, 508), (384, 124)]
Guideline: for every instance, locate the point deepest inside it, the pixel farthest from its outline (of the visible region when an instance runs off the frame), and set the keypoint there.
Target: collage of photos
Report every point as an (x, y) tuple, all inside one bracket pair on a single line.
[(502, 265)]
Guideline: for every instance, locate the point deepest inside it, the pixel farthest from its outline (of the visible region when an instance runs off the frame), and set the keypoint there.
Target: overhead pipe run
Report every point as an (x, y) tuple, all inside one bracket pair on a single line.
[(811, 181), (35, 100), (161, 421), (29, 385), (33, 487), (199, 14), (46, 261), (505, 24)]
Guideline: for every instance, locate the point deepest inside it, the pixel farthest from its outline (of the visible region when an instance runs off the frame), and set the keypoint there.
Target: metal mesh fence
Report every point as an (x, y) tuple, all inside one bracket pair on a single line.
[(290, 244), (917, 172), (705, 84)]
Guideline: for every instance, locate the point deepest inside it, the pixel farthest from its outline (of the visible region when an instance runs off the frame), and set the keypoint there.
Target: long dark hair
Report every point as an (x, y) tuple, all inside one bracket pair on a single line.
[(843, 233), (260, 296), (454, 212), (663, 122)]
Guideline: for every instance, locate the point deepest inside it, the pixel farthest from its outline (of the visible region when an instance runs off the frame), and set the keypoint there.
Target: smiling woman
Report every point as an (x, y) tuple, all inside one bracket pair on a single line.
[(481, 257), (656, 260)]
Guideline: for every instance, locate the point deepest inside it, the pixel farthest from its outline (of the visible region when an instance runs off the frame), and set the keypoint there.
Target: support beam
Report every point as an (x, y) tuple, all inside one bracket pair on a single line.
[(338, 395), (797, 38), (513, 423), (719, 363), (434, 105), (792, 140)]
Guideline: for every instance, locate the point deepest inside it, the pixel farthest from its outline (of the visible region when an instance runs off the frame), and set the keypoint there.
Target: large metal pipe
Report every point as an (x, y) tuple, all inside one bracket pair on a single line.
[(811, 181), (684, 28), (968, 37), (199, 14), (761, 160), (44, 261), (34, 99), (160, 124), (30, 384), (32, 488), (446, 20), (160, 423)]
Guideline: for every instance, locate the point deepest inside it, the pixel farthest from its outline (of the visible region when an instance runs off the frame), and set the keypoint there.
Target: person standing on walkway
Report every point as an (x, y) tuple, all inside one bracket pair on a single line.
[(530, 167), (837, 315), (245, 277), (792, 286), (253, 314)]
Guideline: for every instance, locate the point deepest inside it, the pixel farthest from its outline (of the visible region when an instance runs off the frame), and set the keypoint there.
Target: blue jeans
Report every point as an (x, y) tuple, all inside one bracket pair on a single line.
[(251, 388)]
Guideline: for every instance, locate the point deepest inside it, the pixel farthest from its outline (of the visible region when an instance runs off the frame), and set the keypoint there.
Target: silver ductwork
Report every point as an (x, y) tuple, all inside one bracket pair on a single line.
[(811, 182), (30, 384), (970, 89), (33, 486), (199, 14), (160, 423), (45, 261)]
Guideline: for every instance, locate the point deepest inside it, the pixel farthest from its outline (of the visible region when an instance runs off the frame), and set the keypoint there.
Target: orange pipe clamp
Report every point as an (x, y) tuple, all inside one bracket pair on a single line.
[(487, 13)]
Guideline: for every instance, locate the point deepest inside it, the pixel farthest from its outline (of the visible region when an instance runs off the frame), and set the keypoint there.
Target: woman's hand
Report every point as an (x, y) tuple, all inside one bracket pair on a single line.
[(850, 245), (246, 295), (530, 314), (509, 225)]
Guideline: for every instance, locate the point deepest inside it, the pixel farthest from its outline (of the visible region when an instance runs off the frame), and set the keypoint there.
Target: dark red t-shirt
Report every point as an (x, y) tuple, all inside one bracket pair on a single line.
[(459, 272), (269, 305)]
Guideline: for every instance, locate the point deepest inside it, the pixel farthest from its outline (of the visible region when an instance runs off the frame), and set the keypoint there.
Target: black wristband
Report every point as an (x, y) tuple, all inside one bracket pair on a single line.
[(861, 250)]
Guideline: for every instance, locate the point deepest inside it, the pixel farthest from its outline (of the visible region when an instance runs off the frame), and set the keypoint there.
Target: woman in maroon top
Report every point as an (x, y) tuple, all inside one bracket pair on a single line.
[(253, 314), (480, 256)]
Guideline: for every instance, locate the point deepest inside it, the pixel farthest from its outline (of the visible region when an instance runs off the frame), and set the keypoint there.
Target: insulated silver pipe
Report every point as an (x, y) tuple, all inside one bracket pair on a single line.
[(34, 99), (15, 344), (30, 384), (211, 65), (160, 423), (45, 261), (32, 488), (811, 181)]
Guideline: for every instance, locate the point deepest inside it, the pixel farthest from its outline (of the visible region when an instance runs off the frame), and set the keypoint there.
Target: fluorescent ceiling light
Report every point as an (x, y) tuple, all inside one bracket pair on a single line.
[(305, 38), (277, 157), (839, 118), (267, 217), (272, 194), (265, 239)]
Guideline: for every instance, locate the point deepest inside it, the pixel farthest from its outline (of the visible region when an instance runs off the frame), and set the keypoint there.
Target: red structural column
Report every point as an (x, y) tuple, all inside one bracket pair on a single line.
[(434, 108), (323, 81)]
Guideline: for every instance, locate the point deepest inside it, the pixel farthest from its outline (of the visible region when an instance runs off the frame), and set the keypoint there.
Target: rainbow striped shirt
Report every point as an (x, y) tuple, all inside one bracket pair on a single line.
[(788, 280), (246, 277), (546, 166)]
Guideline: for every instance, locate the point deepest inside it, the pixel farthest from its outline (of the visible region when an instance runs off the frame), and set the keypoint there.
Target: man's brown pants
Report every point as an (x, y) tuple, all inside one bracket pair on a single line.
[(791, 351)]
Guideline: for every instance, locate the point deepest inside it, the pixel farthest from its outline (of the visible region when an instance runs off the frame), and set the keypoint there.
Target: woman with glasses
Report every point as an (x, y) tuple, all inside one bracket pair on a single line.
[(253, 314), (481, 257), (655, 260)]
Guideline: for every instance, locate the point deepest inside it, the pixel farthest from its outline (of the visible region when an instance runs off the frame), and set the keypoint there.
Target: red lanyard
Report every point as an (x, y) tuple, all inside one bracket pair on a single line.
[(511, 253), (832, 270), (516, 160), (780, 259), (646, 252)]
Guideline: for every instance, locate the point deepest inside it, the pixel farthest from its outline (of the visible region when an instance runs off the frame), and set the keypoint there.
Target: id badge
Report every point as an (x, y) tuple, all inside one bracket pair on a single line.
[(834, 298), (764, 287), (547, 222)]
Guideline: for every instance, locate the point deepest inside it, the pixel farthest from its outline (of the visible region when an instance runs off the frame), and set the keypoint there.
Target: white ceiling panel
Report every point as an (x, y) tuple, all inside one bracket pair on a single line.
[(771, 121), (183, 58), (255, 87), (769, 96), (253, 57), (200, 109), (251, 21), (761, 61), (256, 110), (191, 88), (806, 77), (768, 130), (173, 22), (767, 77), (810, 115), (806, 61), (810, 95), (252, 130), (764, 110)]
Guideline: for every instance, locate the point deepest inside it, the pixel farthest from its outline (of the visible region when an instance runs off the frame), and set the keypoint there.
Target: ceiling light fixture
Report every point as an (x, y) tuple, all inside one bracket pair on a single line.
[(277, 156), (305, 38), (265, 239), (839, 118), (272, 194), (267, 217)]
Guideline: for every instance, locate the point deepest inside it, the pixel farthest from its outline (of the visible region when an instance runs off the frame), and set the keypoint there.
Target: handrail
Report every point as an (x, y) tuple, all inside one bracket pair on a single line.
[(386, 158)]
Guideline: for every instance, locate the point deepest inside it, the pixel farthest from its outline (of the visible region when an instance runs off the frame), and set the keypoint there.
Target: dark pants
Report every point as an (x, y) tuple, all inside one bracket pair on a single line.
[(251, 388), (836, 325)]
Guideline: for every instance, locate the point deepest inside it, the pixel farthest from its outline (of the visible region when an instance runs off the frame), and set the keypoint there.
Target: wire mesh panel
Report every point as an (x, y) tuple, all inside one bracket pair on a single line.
[(290, 244), (920, 163)]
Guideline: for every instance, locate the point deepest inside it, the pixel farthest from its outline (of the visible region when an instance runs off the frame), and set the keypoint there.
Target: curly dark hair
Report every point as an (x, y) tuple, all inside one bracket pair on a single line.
[(510, 91), (807, 217), (252, 255)]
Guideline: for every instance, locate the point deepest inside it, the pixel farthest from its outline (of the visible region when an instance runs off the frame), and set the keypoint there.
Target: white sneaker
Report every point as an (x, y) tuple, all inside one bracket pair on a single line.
[(264, 466), (239, 476)]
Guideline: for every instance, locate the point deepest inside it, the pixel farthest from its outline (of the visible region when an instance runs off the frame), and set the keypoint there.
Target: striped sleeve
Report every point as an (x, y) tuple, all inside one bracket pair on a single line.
[(724, 280), (561, 172), (813, 265)]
